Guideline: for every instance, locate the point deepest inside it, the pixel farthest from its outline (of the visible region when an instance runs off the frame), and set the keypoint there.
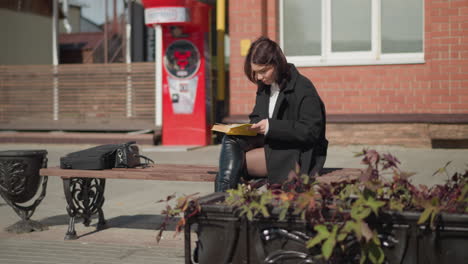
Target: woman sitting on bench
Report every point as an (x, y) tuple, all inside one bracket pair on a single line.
[(288, 116)]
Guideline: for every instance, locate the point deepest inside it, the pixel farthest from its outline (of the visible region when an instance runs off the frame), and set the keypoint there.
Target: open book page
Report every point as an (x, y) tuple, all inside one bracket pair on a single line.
[(234, 129)]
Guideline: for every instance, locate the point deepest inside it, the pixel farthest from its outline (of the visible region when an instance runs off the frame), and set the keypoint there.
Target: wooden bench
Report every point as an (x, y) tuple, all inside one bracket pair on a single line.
[(84, 189), (162, 172)]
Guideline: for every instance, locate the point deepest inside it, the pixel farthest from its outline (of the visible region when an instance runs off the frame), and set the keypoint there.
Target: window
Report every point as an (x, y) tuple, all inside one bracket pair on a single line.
[(300, 15), (352, 32)]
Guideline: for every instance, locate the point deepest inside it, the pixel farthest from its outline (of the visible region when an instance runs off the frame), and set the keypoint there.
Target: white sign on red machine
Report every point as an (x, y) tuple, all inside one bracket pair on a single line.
[(161, 15)]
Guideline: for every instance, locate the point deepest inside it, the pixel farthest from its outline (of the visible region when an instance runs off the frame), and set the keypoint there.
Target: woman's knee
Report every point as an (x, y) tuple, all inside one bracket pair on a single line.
[(256, 163)]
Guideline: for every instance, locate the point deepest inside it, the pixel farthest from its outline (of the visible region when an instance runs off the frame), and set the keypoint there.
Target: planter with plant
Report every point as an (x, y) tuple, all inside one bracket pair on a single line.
[(377, 217)]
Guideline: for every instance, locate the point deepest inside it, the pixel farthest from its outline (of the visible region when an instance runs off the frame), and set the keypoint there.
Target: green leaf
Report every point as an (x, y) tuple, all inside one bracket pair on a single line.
[(425, 215), (322, 234), (265, 198), (334, 230), (438, 171), (305, 178), (363, 256), (396, 205), (345, 192), (329, 244), (464, 193), (249, 214), (243, 211), (376, 239), (376, 254), (282, 214), (357, 230), (303, 215), (265, 211), (374, 204), (358, 154), (298, 210), (448, 163), (322, 230), (359, 212), (442, 170), (314, 241), (327, 247), (341, 237), (349, 226)]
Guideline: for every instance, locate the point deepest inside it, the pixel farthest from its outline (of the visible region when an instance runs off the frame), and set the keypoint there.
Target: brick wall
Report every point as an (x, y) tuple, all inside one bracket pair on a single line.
[(440, 85), (247, 20)]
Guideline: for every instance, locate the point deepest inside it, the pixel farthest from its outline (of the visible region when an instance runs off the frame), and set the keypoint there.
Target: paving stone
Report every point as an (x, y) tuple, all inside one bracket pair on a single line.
[(16, 251)]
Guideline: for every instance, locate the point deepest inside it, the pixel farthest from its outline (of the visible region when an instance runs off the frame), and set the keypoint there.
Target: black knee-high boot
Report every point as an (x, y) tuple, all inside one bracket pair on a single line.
[(231, 164)]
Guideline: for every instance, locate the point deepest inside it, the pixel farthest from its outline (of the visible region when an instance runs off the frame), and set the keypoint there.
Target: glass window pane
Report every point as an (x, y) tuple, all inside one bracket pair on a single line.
[(302, 22), (351, 25), (402, 26)]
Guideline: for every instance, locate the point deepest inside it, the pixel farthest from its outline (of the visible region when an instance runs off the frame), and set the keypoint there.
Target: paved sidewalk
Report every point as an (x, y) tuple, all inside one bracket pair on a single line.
[(133, 214), (50, 252)]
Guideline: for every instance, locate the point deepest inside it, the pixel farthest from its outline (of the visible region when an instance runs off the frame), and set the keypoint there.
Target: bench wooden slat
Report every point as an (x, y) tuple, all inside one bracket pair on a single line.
[(168, 172), (340, 175), (180, 167), (179, 172)]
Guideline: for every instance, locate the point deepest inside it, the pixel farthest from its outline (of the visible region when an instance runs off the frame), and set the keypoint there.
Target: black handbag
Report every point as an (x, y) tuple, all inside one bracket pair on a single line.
[(128, 156), (105, 157)]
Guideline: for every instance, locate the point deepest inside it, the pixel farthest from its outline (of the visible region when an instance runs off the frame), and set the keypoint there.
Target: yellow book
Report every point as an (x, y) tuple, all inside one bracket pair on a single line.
[(234, 129)]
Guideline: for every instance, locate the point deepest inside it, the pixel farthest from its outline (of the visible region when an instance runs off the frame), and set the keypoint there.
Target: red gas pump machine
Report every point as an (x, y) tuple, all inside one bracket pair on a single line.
[(182, 27)]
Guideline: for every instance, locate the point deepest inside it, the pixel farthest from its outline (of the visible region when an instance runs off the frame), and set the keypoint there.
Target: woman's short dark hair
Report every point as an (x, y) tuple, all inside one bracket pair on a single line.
[(265, 51)]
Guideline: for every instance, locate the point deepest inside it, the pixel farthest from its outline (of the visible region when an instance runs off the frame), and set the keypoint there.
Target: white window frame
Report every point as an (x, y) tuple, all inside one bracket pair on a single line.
[(372, 57)]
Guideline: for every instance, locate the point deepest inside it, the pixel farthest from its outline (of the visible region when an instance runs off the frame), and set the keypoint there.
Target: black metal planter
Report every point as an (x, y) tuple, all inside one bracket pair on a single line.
[(413, 243), (225, 238), (19, 184)]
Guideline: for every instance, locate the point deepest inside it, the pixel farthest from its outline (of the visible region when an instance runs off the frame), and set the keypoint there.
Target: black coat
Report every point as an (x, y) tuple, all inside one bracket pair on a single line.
[(296, 133)]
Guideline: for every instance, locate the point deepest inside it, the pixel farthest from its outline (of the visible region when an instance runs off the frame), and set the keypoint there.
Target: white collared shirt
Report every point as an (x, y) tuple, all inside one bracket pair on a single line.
[(274, 92)]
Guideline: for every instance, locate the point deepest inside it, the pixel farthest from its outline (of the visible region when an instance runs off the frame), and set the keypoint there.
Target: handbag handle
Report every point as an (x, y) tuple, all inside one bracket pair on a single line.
[(146, 161)]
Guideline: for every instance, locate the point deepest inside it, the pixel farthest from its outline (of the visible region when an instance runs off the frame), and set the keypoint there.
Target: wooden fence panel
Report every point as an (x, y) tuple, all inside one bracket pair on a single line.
[(113, 96), (25, 93)]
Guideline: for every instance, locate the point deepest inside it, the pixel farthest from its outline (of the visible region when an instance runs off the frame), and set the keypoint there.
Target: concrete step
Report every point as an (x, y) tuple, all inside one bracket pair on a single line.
[(75, 137)]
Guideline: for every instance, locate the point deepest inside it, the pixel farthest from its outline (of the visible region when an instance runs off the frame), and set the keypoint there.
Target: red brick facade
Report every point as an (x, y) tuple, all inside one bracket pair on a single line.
[(440, 85)]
